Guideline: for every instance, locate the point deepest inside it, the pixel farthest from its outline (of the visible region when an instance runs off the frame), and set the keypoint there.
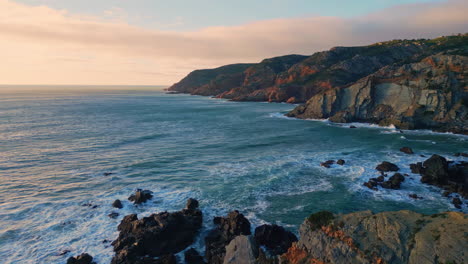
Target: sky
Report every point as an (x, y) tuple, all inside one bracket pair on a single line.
[(157, 42)]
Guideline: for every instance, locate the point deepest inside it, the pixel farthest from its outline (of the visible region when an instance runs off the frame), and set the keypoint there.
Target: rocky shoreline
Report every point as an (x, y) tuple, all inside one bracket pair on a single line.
[(411, 84), (324, 237)]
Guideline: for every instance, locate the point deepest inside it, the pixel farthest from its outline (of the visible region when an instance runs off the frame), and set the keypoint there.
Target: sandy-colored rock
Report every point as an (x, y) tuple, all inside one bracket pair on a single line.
[(241, 250)]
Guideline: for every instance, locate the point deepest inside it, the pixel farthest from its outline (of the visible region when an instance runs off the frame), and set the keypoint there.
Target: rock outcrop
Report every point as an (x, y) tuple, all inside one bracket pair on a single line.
[(227, 228), (407, 83), (140, 196), (84, 258), (389, 237), (274, 238), (159, 235), (429, 94)]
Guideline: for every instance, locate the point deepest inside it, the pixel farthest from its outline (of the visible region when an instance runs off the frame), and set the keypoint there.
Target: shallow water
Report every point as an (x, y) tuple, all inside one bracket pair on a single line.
[(55, 149)]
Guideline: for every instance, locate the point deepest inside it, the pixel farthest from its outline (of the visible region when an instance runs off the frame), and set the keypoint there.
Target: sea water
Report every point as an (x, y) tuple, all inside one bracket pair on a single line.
[(65, 157)]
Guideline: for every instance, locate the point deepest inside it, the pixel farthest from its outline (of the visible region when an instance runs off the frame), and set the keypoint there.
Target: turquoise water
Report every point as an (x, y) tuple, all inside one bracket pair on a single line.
[(55, 149)]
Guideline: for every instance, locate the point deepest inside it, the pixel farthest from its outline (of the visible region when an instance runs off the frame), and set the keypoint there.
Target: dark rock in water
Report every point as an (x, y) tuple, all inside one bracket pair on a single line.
[(394, 182), (415, 196), (141, 196), (327, 163), (435, 170), (113, 215), (422, 156), (227, 228), (407, 150), (64, 252), (387, 166), (93, 206), (275, 238), (340, 162), (457, 202), (191, 204), (446, 193), (192, 256), (416, 167), (371, 184), (158, 235), (107, 173), (352, 127), (84, 258), (461, 154), (117, 204), (381, 178)]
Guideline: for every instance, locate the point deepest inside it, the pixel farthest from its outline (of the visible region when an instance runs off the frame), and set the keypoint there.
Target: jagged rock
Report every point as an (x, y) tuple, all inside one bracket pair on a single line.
[(461, 154), (340, 162), (372, 184), (84, 258), (191, 204), (387, 166), (435, 170), (117, 204), (158, 235), (416, 167), (407, 150), (275, 238), (389, 237), (192, 256), (241, 250), (141, 196), (394, 182), (227, 228)]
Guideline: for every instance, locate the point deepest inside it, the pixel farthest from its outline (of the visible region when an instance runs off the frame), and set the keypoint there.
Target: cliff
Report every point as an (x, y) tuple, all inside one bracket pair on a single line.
[(430, 94), (430, 74)]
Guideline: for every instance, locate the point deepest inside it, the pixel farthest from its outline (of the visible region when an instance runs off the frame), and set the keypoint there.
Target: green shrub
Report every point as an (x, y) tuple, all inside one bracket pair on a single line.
[(319, 219)]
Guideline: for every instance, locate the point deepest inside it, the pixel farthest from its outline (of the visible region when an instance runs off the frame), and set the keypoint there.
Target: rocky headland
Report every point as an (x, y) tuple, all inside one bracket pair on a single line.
[(411, 84)]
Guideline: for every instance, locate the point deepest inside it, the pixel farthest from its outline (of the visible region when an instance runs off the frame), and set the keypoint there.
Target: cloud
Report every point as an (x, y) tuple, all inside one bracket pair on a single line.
[(44, 45)]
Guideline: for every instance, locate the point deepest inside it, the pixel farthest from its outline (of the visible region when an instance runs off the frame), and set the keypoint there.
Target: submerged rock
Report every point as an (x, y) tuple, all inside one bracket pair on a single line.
[(140, 196), (275, 238), (386, 167), (227, 228), (84, 258), (327, 163), (158, 235), (340, 162), (407, 150)]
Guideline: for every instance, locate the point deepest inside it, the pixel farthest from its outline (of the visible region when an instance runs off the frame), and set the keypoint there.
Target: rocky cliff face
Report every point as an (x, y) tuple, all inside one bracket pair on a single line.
[(431, 94), (389, 237), (409, 83)]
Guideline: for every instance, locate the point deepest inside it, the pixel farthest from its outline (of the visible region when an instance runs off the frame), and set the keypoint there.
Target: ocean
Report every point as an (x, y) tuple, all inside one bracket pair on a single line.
[(66, 156)]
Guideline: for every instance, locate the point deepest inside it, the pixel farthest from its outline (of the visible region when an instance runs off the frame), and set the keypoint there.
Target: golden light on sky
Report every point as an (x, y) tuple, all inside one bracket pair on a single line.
[(43, 45)]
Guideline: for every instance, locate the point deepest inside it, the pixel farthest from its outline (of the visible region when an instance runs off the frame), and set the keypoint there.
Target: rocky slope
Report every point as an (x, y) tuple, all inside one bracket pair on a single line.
[(429, 73), (389, 237), (431, 94)]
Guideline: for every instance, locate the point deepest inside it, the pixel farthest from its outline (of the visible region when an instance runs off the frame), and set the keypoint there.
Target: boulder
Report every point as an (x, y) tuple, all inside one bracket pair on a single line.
[(416, 167), (415, 196), (191, 204), (407, 150), (157, 235), (117, 204), (192, 256), (141, 196), (372, 184), (241, 250), (340, 162), (113, 215), (84, 258), (435, 170), (227, 228), (387, 166), (275, 238), (394, 182)]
